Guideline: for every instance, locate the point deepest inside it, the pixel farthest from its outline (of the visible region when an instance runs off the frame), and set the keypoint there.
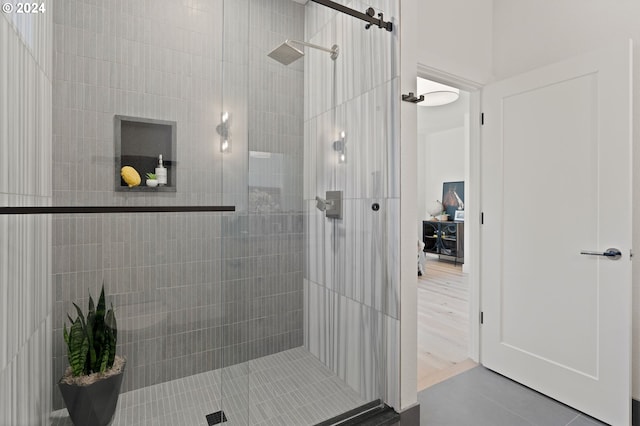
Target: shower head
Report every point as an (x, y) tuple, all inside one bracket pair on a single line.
[(286, 53)]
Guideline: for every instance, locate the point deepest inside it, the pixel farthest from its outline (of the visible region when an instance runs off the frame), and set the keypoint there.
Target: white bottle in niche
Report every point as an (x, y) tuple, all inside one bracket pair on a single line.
[(161, 172)]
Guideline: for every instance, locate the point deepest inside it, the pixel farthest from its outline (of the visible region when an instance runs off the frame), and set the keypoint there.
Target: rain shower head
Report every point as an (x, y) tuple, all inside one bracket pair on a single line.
[(286, 53)]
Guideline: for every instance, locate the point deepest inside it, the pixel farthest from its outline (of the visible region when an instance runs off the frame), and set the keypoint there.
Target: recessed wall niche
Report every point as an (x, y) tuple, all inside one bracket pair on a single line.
[(139, 142)]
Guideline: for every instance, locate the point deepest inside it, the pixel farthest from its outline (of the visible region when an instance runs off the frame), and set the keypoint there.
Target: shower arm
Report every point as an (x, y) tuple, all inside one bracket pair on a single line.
[(333, 50)]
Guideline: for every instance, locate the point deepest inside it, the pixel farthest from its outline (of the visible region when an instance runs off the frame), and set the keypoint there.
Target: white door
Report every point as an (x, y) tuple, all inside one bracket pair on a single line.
[(556, 180)]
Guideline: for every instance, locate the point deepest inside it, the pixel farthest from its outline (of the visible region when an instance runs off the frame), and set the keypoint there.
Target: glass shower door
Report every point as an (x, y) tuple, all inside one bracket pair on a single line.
[(130, 84), (268, 311), (311, 303), (352, 145)]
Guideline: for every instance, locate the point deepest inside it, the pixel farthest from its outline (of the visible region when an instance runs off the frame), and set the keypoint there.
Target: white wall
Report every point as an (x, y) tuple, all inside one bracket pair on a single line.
[(480, 40), (441, 158), (423, 183), (454, 36), (531, 34), (25, 241), (528, 34), (451, 40), (409, 50)]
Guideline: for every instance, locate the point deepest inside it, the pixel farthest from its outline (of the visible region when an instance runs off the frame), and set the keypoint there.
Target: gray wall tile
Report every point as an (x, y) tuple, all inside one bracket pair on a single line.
[(193, 292), (25, 241)]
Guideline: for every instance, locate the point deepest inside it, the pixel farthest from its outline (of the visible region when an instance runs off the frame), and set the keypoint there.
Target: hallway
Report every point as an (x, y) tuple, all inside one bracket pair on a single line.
[(443, 323)]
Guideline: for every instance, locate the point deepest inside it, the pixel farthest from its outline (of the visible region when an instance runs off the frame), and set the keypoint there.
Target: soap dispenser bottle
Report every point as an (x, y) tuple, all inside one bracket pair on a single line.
[(161, 172)]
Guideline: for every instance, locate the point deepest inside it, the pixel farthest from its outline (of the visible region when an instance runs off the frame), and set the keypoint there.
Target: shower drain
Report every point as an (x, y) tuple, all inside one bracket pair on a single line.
[(216, 418)]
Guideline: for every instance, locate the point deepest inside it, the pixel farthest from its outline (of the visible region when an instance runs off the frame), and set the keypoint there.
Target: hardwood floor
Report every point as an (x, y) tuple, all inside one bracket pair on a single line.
[(443, 323)]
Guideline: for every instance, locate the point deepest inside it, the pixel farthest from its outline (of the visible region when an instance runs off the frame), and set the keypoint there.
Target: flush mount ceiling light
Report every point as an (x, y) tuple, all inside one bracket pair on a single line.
[(436, 94)]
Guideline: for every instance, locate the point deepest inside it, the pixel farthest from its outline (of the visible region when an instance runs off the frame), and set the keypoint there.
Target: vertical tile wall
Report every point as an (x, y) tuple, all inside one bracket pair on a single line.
[(193, 292), (158, 60), (352, 269), (266, 252), (263, 243), (25, 241)]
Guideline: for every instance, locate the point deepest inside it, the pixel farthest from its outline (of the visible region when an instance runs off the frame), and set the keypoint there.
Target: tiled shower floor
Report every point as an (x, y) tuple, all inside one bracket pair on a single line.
[(287, 388)]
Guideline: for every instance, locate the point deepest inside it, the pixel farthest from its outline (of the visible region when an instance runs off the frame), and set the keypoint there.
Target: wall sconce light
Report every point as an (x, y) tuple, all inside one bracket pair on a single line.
[(341, 146), (224, 130)]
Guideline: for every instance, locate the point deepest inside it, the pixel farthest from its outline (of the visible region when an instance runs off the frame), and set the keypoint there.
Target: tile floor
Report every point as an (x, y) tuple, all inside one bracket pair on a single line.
[(287, 388), (480, 397), (294, 388)]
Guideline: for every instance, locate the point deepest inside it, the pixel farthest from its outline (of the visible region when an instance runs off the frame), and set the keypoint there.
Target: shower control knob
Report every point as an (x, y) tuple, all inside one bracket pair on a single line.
[(375, 207)]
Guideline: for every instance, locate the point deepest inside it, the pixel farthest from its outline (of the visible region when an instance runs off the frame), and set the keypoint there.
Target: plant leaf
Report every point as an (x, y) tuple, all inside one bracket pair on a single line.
[(91, 342), (112, 335), (105, 359), (80, 315), (98, 331), (77, 348), (101, 303), (91, 360)]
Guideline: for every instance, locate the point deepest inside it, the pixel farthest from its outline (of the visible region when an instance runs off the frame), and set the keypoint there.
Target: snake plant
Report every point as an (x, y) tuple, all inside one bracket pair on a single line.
[(91, 343)]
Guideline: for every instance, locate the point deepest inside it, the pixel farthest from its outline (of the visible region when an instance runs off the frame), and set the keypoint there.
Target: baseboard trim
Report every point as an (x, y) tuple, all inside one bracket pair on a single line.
[(410, 416), (635, 412)]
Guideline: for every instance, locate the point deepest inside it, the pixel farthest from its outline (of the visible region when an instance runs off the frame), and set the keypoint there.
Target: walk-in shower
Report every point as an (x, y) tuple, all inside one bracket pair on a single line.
[(287, 53), (233, 292)]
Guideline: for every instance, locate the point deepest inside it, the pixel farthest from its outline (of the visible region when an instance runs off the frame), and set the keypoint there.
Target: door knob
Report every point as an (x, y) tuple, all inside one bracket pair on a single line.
[(611, 253)]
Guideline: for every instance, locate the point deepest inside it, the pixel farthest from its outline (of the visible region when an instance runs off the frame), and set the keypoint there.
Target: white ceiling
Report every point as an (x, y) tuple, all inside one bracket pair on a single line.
[(439, 118)]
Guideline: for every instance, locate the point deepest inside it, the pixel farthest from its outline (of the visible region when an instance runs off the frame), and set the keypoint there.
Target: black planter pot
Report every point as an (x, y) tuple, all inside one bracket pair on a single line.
[(94, 404)]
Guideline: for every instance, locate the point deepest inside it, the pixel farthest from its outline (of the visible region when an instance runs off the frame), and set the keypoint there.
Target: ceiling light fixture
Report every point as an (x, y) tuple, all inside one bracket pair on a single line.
[(436, 94)]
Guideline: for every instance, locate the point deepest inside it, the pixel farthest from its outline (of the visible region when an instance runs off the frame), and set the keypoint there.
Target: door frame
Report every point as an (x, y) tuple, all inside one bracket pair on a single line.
[(472, 197), (405, 397)]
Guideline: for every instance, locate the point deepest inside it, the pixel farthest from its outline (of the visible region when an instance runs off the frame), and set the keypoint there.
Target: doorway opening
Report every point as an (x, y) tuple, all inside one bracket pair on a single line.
[(443, 173)]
